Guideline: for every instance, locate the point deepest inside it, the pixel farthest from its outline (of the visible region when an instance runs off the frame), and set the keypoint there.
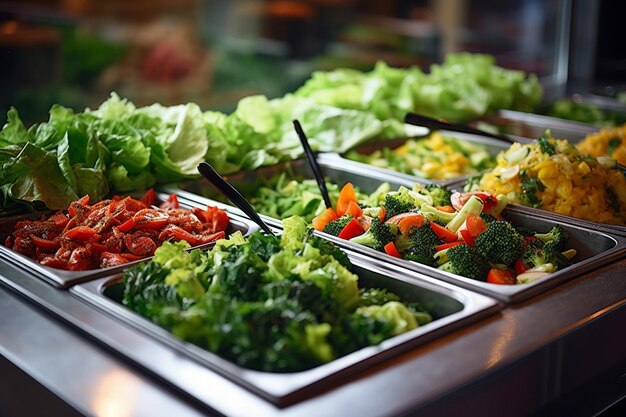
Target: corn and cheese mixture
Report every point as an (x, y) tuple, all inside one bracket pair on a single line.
[(436, 157), (553, 175), (609, 142)]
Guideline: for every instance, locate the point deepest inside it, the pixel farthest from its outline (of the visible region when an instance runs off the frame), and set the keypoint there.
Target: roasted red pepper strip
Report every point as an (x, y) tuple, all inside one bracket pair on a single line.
[(44, 243), (82, 233)]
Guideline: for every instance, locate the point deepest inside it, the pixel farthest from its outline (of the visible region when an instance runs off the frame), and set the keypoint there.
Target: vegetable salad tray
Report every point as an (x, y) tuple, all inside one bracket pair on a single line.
[(65, 278), (594, 249), (449, 306), (484, 147)]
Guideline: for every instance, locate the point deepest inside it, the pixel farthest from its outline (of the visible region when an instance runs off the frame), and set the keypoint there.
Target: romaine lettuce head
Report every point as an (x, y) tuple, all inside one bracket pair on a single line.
[(393, 312)]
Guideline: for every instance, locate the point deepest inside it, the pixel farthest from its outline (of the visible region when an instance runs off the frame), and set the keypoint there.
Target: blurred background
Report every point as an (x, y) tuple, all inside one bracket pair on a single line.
[(214, 52)]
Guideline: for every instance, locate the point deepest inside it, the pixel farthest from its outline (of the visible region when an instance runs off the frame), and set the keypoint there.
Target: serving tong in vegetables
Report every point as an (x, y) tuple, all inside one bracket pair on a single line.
[(233, 195), (436, 124), (310, 156)]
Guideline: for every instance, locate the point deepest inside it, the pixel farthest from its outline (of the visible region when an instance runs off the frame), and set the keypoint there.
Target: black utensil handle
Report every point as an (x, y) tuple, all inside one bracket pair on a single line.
[(232, 194), (419, 120), (310, 156)]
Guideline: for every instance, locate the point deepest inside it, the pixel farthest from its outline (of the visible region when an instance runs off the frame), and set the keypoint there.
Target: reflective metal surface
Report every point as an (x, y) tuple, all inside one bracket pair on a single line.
[(534, 344), (451, 308)]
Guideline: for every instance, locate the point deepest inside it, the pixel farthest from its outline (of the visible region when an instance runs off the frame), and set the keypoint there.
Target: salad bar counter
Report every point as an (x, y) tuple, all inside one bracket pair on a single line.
[(421, 272)]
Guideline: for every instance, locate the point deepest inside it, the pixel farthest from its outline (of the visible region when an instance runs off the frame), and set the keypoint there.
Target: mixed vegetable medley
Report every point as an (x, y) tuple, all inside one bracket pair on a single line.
[(437, 157), (554, 175), (266, 303), (113, 232), (463, 234)]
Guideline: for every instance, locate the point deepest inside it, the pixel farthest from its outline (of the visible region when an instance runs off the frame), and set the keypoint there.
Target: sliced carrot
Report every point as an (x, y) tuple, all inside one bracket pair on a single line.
[(447, 245), (442, 233), (475, 225), (354, 209), (408, 222), (501, 276), (323, 219), (350, 230), (383, 214), (447, 209), (390, 249), (399, 217), (346, 195)]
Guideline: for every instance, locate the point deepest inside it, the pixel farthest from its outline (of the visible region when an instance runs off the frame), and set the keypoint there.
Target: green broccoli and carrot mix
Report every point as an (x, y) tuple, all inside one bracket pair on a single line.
[(271, 304), (463, 234)]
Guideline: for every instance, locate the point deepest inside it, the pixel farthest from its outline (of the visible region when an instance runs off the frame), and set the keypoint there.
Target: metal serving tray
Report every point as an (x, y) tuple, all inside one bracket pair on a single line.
[(595, 248), (360, 175), (493, 146), (532, 126), (63, 279), (450, 306)]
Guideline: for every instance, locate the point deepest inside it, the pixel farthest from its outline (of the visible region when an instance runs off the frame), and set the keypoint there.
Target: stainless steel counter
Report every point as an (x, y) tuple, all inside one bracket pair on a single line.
[(522, 360)]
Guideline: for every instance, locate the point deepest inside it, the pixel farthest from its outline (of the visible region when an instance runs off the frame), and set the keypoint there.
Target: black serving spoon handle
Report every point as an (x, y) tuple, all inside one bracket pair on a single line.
[(310, 156)]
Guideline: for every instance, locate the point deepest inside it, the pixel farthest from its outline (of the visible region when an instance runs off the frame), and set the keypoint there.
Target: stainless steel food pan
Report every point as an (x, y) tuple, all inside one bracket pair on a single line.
[(532, 126), (247, 182), (493, 146), (63, 279), (595, 248), (450, 306)]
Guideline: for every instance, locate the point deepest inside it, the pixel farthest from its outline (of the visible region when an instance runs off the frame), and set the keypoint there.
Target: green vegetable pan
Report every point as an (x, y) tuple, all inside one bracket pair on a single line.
[(451, 307), (64, 279)]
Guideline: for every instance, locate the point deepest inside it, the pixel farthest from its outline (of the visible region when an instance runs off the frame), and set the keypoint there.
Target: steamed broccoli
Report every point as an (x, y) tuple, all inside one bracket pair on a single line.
[(431, 213), (487, 218), (550, 259), (378, 235), (500, 243), (336, 226), (422, 245), (466, 261), (397, 203), (555, 239), (440, 195)]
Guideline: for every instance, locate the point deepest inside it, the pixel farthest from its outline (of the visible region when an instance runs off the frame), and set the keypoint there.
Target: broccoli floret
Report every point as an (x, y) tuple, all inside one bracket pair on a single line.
[(422, 245), (397, 203), (336, 226), (530, 188), (440, 195), (546, 143), (441, 217), (535, 256), (555, 239), (378, 235), (487, 218), (500, 243), (466, 261)]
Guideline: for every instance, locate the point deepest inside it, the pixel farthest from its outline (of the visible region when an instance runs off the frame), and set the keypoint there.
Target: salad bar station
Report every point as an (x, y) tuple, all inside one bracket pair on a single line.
[(402, 270)]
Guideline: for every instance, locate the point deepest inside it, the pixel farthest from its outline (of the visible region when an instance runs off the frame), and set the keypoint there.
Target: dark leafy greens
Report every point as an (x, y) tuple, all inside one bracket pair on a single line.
[(265, 304)]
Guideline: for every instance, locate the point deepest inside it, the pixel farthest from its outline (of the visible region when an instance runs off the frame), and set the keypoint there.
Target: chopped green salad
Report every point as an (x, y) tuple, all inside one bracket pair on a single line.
[(271, 304)]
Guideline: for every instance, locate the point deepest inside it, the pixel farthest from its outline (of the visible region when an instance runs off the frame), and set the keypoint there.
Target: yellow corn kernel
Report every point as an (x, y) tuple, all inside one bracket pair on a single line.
[(548, 172), (583, 168)]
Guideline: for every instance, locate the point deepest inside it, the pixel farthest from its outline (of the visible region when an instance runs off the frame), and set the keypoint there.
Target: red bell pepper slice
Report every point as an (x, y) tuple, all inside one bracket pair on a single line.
[(501, 277), (350, 230), (467, 237), (447, 245), (390, 249), (442, 233)]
